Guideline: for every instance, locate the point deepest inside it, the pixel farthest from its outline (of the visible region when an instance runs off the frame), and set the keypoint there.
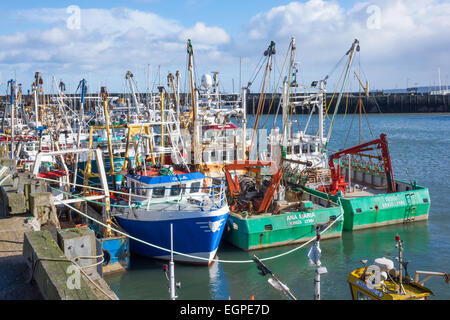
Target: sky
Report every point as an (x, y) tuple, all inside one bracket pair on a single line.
[(403, 42)]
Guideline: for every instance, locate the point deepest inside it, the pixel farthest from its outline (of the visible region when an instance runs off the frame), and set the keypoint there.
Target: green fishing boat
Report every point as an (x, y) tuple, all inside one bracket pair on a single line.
[(369, 207), (264, 214), (290, 226), (368, 192)]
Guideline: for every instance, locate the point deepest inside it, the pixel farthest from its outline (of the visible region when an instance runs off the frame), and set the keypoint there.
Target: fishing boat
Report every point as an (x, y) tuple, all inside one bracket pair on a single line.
[(361, 177), (382, 281), (266, 210), (191, 202), (216, 123), (265, 214), (159, 190), (300, 149), (369, 194)]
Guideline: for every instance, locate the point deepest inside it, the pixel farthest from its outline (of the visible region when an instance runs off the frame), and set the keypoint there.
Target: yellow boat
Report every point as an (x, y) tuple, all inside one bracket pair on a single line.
[(381, 281)]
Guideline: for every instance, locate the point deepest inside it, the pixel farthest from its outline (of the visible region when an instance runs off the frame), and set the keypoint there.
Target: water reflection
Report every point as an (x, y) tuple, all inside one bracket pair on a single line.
[(371, 243), (218, 282)]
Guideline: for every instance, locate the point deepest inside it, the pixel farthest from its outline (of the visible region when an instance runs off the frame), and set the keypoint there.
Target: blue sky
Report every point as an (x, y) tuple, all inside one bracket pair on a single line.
[(229, 14), (402, 41)]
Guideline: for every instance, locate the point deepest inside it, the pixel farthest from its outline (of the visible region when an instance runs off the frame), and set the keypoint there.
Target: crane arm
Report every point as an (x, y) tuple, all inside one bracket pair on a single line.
[(338, 183), (365, 88), (255, 166)]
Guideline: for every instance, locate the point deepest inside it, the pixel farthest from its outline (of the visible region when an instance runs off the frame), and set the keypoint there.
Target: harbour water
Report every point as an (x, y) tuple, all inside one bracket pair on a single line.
[(420, 150)]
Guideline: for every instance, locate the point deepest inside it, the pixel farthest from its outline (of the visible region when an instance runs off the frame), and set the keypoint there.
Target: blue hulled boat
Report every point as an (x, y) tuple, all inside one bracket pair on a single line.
[(195, 204)]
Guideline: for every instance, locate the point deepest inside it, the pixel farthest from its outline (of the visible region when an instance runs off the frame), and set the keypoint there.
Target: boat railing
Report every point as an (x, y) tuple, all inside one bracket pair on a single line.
[(210, 198)]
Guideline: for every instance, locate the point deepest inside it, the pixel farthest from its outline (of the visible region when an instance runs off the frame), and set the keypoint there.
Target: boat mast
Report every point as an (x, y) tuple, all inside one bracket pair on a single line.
[(269, 53), (80, 125), (194, 93), (285, 97), (129, 77), (12, 84), (350, 53), (285, 115), (244, 123), (35, 85), (399, 245), (104, 94), (178, 75), (322, 93), (161, 101)]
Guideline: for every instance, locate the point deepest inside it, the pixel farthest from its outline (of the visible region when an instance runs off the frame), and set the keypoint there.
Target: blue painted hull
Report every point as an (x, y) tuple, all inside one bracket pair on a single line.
[(118, 252), (193, 236)]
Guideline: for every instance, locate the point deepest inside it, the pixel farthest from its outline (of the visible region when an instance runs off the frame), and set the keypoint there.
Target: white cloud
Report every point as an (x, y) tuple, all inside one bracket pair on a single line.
[(411, 41), (205, 35), (109, 41)]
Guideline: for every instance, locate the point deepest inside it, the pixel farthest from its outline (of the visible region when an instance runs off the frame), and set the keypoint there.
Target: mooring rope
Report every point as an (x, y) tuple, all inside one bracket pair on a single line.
[(80, 268), (197, 257)]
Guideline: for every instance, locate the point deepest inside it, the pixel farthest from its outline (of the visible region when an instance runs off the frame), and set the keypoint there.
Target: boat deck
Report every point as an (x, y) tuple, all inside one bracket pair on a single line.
[(363, 190), (367, 191)]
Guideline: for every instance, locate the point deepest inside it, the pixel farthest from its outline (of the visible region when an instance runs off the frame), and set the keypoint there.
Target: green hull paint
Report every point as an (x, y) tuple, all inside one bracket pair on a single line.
[(263, 231), (382, 209)]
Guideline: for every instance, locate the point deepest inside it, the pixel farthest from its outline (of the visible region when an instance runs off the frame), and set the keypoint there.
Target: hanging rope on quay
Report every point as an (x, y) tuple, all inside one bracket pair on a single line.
[(197, 257)]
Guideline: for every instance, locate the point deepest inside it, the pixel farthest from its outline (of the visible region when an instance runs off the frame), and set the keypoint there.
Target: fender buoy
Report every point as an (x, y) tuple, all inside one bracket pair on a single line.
[(106, 257)]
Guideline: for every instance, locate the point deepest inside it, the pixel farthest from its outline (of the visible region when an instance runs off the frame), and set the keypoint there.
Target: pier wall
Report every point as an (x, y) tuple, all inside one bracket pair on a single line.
[(376, 103)]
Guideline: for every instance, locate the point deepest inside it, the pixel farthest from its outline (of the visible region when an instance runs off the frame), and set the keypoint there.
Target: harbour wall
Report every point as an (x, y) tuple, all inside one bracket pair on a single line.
[(386, 103), (375, 103)]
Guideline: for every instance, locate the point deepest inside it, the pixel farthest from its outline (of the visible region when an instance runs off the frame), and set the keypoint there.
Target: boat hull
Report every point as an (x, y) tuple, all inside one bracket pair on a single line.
[(194, 233), (383, 209), (264, 231)]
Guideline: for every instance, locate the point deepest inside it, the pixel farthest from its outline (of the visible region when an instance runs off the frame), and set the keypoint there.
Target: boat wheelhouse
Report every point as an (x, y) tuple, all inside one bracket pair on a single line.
[(194, 204)]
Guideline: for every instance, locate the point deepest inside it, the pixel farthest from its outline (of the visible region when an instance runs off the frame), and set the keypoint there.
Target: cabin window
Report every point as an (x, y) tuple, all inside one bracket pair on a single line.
[(176, 190), (358, 210), (296, 149), (305, 148), (158, 193), (425, 200), (224, 155), (268, 227), (195, 187)]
